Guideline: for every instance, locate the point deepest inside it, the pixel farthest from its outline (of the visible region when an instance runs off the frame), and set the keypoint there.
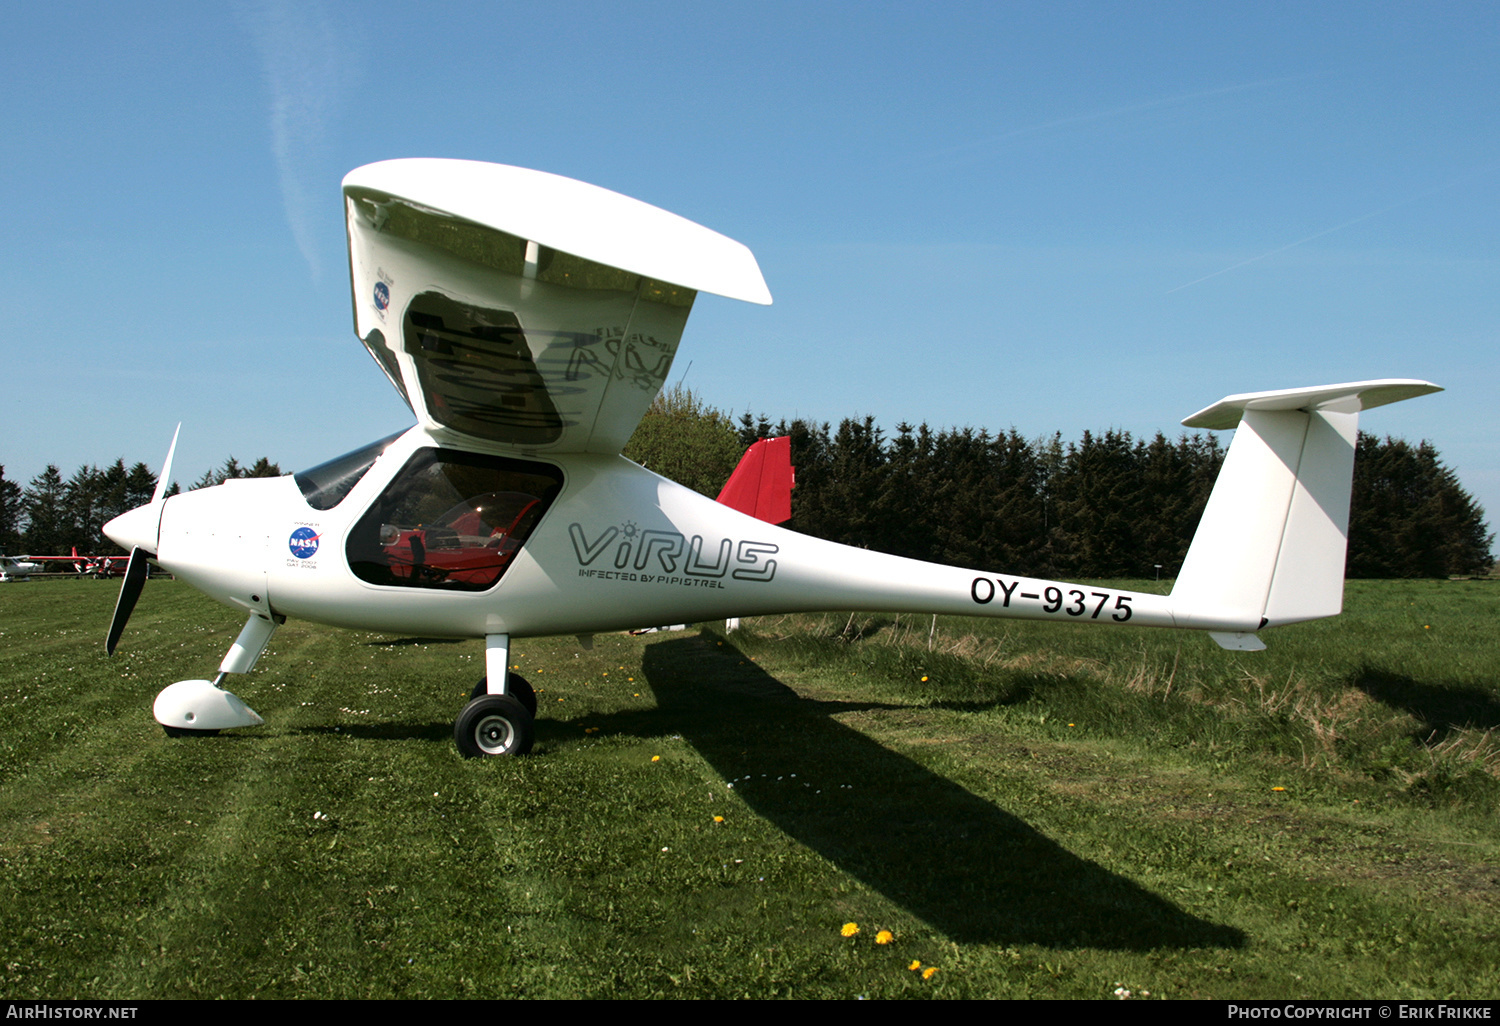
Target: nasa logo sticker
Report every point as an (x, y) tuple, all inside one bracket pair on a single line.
[(303, 543), (382, 296)]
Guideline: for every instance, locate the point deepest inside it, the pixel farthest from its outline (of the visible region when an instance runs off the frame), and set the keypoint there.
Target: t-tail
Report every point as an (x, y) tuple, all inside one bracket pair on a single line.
[(1270, 548)]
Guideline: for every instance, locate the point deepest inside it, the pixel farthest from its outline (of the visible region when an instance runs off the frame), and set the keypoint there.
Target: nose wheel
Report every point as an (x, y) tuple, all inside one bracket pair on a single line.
[(493, 725)]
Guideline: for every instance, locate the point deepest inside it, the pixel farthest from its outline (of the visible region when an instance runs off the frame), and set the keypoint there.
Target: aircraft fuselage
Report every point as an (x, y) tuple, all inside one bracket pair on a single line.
[(615, 547)]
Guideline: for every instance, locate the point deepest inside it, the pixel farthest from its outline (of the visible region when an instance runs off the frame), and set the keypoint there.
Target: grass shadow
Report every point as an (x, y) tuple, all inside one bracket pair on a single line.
[(643, 724), (403, 642), (970, 869), (378, 731), (1440, 708)]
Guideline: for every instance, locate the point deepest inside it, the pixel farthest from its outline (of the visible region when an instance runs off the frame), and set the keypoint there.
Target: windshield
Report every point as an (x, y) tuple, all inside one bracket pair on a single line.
[(327, 484)]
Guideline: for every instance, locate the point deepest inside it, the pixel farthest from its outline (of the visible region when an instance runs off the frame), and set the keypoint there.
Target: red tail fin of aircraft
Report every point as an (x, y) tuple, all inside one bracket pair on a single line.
[(762, 484)]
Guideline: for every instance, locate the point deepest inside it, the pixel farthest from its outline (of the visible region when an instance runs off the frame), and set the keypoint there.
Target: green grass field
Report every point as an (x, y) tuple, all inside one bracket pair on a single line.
[(1032, 809)]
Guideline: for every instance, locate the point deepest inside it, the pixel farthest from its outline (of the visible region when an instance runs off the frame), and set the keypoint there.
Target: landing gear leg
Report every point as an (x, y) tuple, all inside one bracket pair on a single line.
[(196, 708), (500, 717), (516, 686)]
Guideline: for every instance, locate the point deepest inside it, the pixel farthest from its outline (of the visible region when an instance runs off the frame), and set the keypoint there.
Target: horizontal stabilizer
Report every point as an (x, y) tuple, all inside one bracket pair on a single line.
[(1351, 397)]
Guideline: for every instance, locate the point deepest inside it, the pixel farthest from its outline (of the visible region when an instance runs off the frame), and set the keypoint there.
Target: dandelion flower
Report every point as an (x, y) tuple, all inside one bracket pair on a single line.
[(1278, 789), (929, 972), (849, 930), (924, 679), (884, 937), (656, 758), (718, 819), (915, 965)]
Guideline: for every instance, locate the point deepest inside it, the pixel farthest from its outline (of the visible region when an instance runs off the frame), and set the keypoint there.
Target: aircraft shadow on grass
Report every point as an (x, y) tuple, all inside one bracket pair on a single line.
[(973, 871), (954, 860), (1440, 708)]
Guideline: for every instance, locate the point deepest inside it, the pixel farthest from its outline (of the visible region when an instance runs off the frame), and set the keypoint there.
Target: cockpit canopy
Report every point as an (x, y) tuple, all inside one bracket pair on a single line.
[(451, 520)]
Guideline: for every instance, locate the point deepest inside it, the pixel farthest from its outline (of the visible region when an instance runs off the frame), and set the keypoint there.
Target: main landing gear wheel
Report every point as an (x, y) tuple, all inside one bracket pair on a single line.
[(493, 725), (516, 685)]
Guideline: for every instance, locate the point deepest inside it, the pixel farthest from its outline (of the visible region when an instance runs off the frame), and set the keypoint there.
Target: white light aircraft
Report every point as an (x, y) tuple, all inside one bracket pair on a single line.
[(14, 568), (528, 320)]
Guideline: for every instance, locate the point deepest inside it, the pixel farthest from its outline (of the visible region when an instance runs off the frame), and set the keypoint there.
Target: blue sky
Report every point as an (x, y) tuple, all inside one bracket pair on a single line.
[(1049, 216)]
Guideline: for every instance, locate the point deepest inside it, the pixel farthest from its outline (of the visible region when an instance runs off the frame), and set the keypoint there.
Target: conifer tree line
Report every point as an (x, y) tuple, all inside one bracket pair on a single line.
[(52, 516), (1106, 505)]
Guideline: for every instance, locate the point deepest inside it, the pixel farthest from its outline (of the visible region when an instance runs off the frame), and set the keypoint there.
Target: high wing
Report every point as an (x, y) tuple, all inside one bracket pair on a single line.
[(560, 305)]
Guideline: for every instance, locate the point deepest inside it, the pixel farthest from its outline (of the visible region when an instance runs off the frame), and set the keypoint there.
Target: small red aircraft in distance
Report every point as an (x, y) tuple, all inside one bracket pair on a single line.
[(103, 567), (97, 567)]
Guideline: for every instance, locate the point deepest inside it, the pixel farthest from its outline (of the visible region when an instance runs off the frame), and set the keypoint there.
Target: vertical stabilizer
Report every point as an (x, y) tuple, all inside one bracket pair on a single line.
[(1309, 579), (1270, 547)]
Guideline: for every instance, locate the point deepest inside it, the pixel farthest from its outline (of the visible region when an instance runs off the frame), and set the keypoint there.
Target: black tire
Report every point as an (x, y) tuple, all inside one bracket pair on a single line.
[(516, 685), (493, 725)]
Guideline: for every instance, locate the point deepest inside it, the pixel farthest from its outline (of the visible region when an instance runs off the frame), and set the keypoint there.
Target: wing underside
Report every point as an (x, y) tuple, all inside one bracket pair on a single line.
[(505, 338)]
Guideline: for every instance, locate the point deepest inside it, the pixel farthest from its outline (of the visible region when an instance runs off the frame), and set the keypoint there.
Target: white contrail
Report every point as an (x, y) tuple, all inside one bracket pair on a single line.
[(1289, 245), (299, 50), (1112, 112), (1339, 227)]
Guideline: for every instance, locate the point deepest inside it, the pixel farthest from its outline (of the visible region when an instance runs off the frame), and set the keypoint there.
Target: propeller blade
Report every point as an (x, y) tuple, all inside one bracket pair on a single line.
[(126, 530), (130, 591), (163, 482)]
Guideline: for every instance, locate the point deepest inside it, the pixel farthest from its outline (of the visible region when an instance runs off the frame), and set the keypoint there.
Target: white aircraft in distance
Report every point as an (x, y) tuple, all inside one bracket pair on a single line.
[(528, 320), (13, 568)]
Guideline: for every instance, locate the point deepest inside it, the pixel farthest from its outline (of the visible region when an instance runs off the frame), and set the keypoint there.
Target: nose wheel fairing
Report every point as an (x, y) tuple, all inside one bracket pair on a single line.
[(204, 706), (200, 705)]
